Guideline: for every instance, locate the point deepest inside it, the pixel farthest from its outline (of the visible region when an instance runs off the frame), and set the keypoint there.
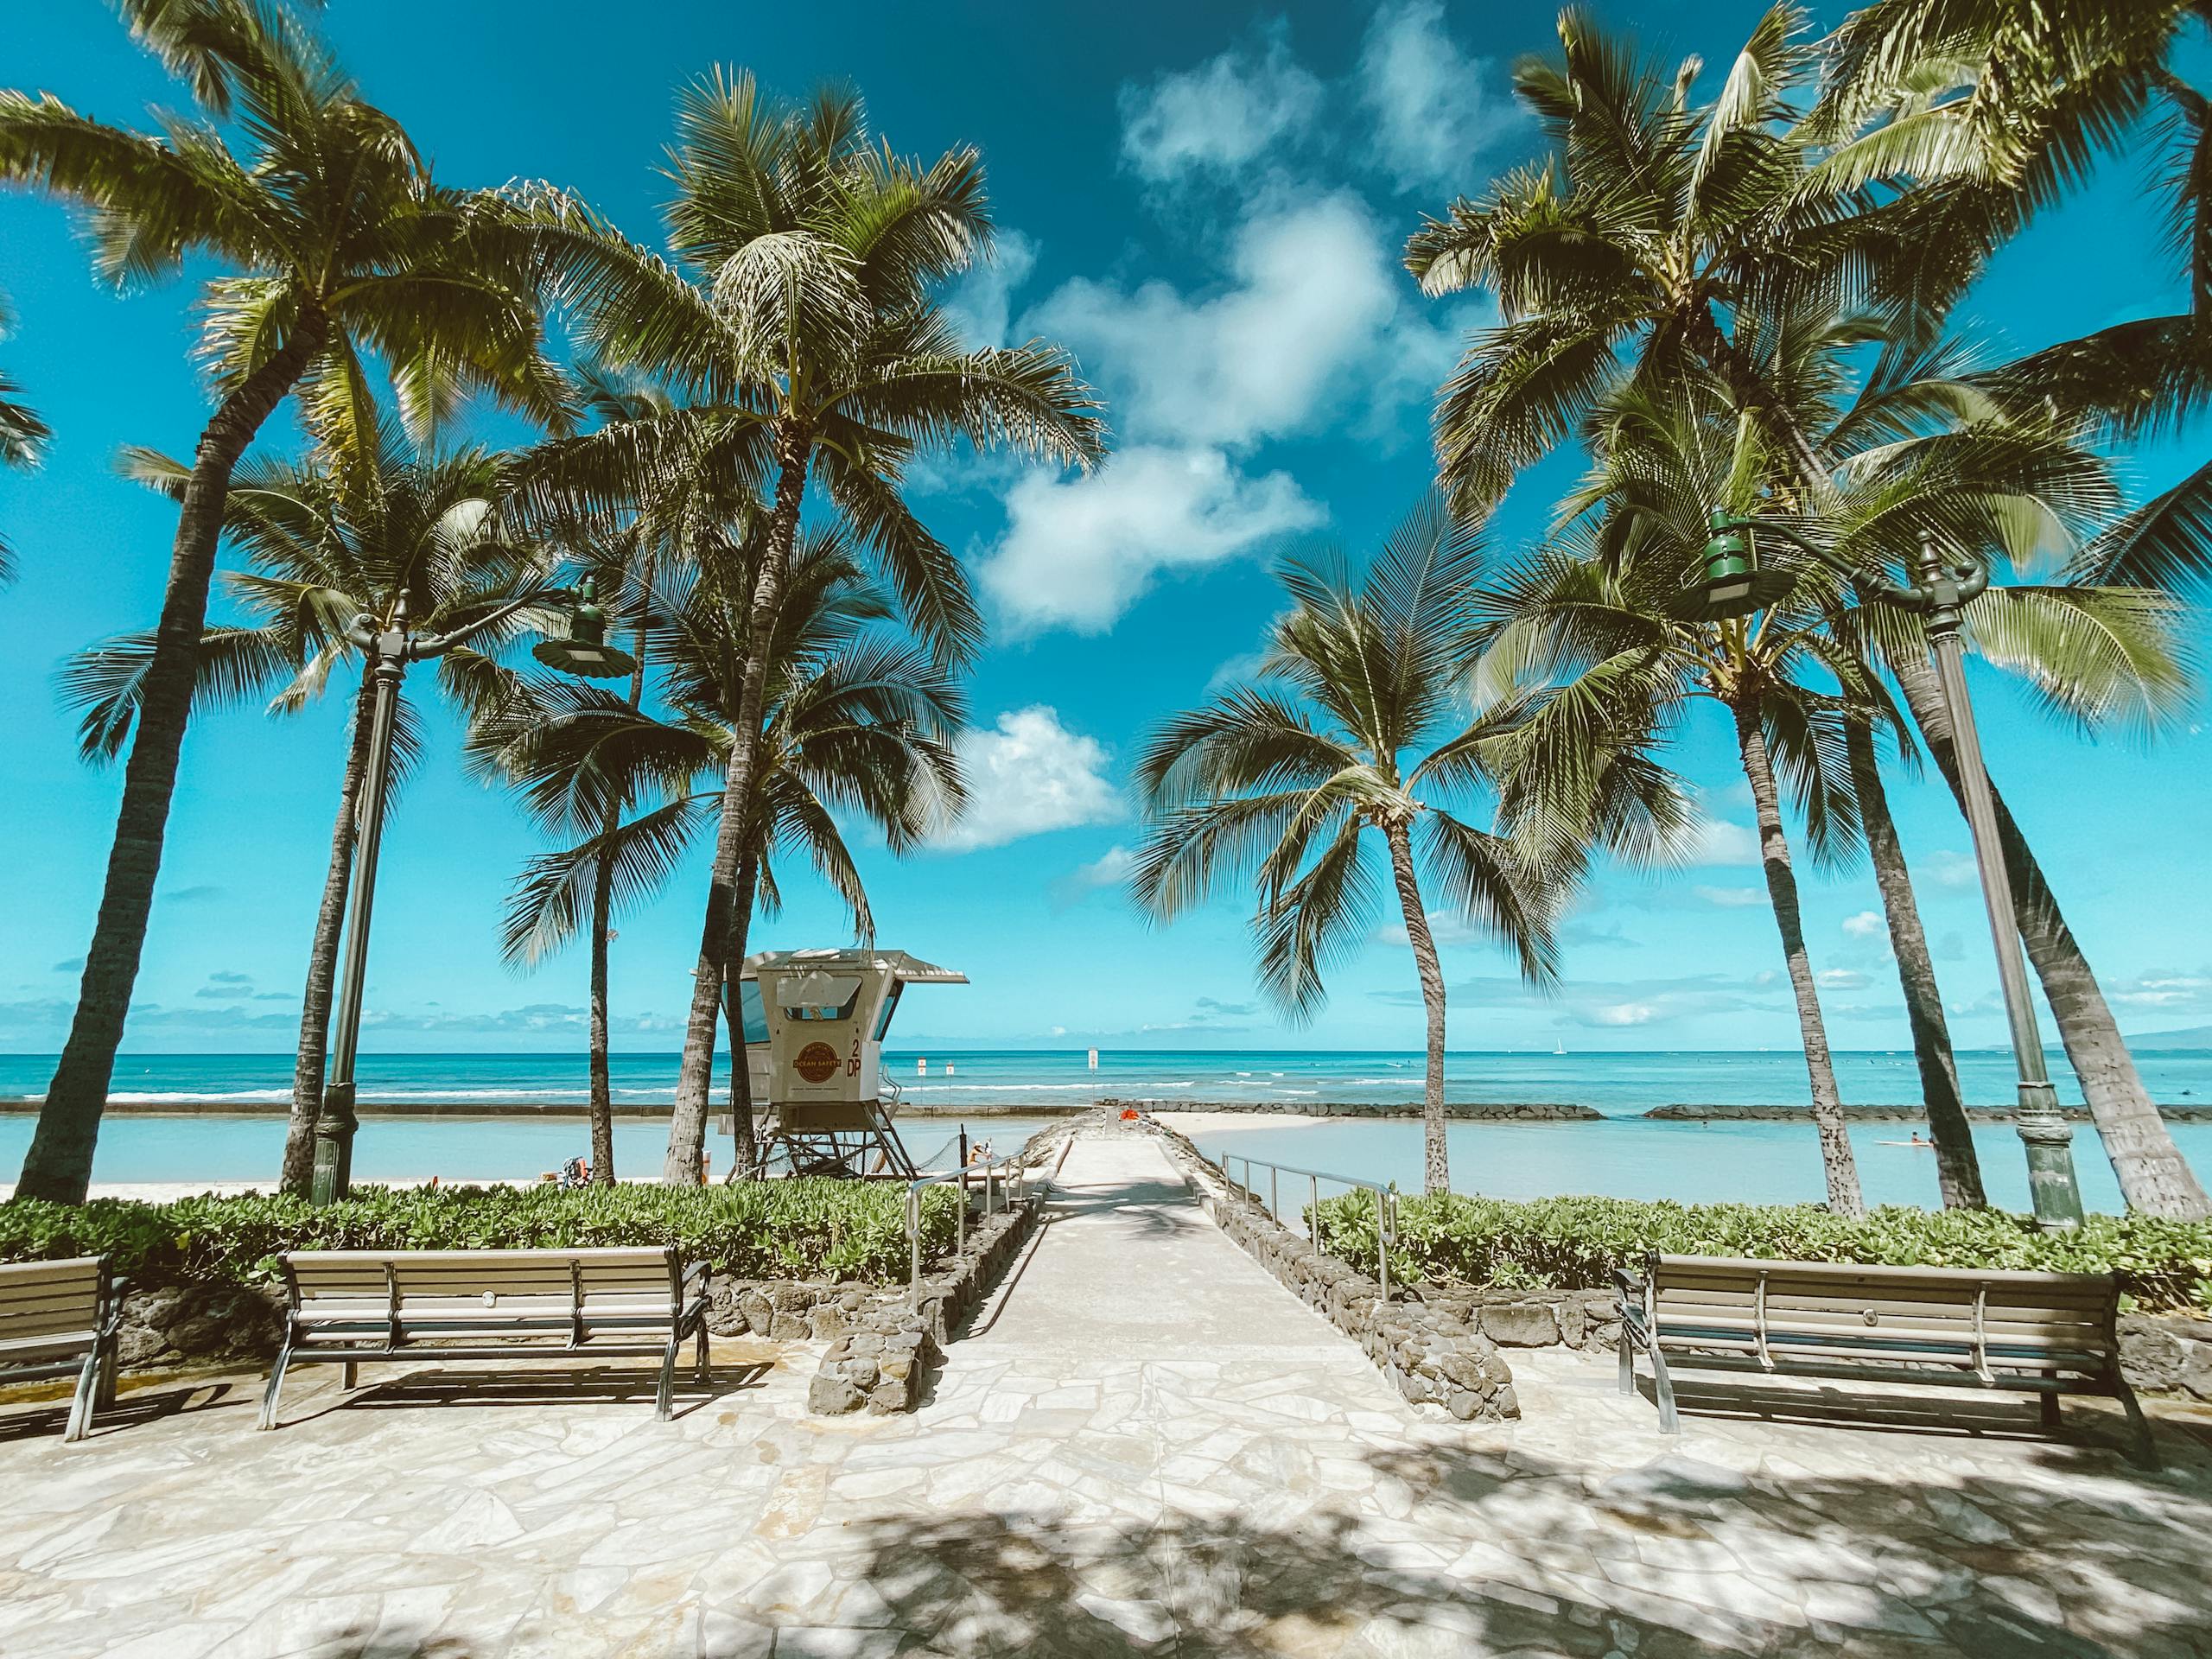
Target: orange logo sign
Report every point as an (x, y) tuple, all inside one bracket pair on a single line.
[(817, 1062)]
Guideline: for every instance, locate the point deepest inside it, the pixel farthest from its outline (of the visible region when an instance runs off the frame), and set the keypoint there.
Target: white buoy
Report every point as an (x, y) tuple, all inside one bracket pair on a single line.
[(1094, 1059)]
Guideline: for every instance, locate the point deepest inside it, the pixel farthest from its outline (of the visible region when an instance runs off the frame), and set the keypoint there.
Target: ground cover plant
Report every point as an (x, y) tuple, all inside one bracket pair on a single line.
[(1576, 1243), (756, 1229)]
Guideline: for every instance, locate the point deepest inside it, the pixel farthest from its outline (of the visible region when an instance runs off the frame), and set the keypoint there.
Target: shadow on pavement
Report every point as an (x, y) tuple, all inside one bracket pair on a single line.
[(1671, 1559)]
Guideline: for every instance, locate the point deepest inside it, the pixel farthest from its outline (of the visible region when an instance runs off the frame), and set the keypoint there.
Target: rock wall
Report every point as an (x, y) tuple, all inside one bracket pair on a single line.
[(881, 1359), (2167, 1353), (1496, 1111)]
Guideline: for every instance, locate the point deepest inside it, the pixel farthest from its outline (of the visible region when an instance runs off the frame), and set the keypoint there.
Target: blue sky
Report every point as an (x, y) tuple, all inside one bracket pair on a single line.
[(1205, 202)]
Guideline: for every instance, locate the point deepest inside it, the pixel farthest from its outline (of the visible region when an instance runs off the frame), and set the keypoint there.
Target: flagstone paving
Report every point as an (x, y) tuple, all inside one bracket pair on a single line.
[(1146, 1447)]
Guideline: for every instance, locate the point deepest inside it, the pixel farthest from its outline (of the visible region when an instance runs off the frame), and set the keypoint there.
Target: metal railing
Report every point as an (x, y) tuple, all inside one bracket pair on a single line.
[(1006, 1183), (1386, 1203)]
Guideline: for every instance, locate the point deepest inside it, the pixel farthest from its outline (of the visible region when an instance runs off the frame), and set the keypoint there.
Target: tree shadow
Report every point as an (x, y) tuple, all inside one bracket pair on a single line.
[(1503, 1552)]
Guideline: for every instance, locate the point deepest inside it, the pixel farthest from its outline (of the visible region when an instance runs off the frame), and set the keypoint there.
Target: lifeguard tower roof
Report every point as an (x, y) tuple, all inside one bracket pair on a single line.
[(907, 970)]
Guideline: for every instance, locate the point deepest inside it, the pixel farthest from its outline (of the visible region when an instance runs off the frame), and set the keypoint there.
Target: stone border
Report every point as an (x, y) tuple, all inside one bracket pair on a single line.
[(1429, 1356), (881, 1359), (1488, 1111)]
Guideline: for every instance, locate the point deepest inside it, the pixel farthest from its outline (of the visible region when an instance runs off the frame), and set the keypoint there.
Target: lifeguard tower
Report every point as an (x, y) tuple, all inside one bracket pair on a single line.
[(814, 1027)]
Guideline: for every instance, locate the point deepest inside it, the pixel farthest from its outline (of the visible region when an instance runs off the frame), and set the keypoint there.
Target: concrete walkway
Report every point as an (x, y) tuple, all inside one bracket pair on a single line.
[(1144, 1447), (1128, 1268)]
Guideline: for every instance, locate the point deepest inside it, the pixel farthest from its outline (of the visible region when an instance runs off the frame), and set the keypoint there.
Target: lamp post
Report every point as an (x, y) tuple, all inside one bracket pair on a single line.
[(390, 650), (1735, 586)]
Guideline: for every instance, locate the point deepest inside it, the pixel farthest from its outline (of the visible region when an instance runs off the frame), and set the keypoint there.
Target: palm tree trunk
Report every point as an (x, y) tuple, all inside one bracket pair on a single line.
[(297, 1173), (1958, 1172), (602, 922), (2153, 1176), (602, 1084), (59, 1166), (1837, 1163), (741, 1077), (687, 1129), (1436, 1173)]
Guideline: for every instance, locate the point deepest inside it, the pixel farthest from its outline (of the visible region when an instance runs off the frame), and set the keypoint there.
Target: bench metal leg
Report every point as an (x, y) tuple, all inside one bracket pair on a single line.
[(664, 1401), (349, 1375), (1669, 1422), (2147, 1452), (268, 1419), (706, 1374), (80, 1403), (1628, 1361), (110, 1368), (2047, 1406)]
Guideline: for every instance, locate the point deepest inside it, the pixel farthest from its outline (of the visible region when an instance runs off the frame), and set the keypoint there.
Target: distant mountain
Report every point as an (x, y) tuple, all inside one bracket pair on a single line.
[(2192, 1037)]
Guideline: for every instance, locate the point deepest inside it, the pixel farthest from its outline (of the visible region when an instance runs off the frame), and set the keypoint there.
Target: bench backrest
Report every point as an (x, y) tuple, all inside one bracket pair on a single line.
[(52, 1304), (594, 1282), (2034, 1322)]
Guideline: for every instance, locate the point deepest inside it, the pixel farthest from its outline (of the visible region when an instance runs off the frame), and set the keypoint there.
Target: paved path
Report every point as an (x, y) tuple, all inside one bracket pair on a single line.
[(1146, 1447)]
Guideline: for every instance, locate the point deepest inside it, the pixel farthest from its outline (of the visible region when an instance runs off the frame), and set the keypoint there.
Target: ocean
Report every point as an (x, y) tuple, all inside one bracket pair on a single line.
[(514, 1115)]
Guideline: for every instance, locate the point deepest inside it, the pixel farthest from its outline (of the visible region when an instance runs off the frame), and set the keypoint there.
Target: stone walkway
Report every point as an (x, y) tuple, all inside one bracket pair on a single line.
[(1145, 1447)]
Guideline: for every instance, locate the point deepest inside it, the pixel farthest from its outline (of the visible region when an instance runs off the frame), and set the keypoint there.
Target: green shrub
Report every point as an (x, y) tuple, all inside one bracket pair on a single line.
[(762, 1230), (1576, 1243)]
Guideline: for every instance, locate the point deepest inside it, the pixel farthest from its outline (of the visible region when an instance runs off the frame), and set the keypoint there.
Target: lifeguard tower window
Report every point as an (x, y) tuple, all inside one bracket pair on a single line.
[(823, 996), (890, 1007), (755, 1012)]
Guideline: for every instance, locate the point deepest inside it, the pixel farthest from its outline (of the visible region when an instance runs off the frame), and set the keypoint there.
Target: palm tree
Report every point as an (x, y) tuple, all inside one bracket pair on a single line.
[(339, 243), (1633, 258), (22, 435), (1998, 108), (1629, 254), (330, 539), (800, 322), (1280, 780), (1603, 599), (855, 721), (1596, 603)]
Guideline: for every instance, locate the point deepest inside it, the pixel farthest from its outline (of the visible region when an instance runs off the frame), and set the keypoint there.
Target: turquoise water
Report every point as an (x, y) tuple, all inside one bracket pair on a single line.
[(1611, 1082), (1748, 1163), (1769, 1162), (227, 1148)]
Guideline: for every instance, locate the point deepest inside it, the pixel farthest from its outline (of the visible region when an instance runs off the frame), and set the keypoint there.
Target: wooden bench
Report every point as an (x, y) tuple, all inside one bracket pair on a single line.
[(346, 1307), (57, 1318), (2041, 1333)]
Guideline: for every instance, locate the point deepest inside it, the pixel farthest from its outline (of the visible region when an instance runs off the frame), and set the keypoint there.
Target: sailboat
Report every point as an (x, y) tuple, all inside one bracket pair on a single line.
[(1558, 1047)]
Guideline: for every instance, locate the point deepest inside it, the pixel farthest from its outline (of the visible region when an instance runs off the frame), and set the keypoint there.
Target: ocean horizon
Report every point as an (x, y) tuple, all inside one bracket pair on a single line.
[(1614, 1083)]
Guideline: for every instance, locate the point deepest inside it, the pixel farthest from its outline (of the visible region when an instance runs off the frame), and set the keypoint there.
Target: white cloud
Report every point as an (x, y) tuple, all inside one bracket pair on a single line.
[(1622, 1013), (1109, 870), (1435, 111), (1719, 841), (1027, 775), (1840, 979), (1314, 294), (1729, 898), (1949, 869), (1221, 117), (2164, 990), (981, 302), (1078, 550), (1866, 924)]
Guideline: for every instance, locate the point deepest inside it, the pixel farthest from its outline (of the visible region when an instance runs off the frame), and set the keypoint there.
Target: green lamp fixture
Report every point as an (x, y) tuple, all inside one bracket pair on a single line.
[(585, 652), (1733, 584)]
